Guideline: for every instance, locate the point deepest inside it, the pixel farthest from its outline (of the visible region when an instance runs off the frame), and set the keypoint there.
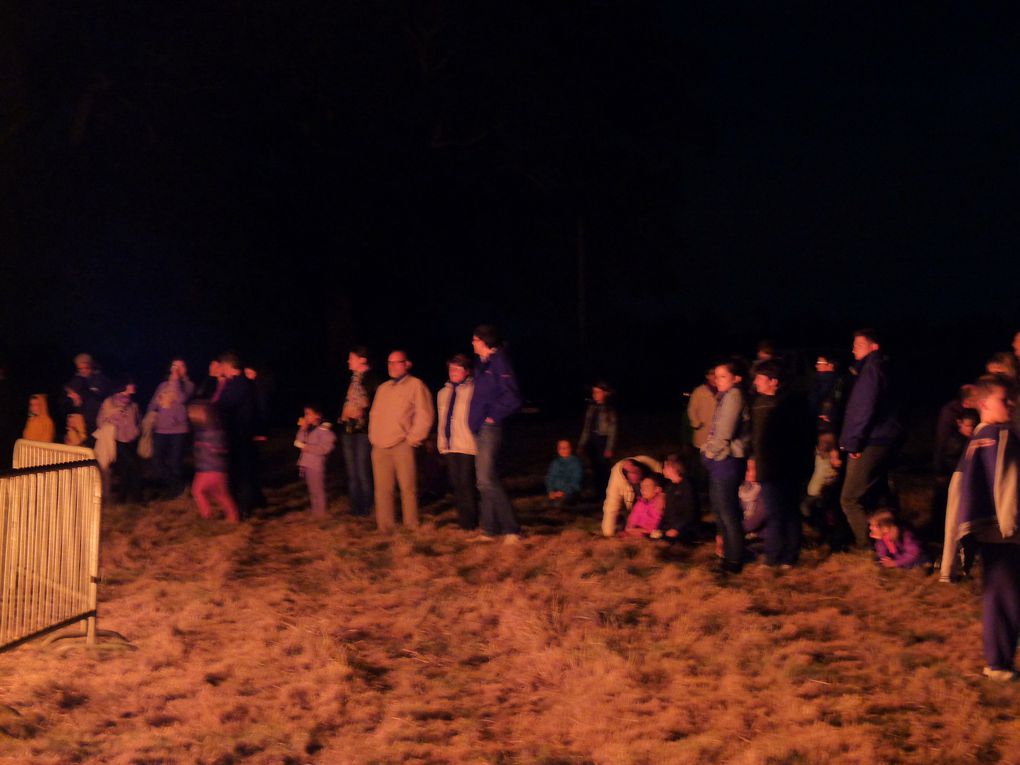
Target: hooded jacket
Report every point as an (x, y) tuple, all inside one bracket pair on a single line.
[(39, 427)]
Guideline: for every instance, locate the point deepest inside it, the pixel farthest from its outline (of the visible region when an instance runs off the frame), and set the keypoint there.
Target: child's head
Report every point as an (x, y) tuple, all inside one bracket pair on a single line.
[(968, 396), (728, 375), (601, 391), (564, 448), (313, 414), (883, 525), (37, 404), (201, 415), (458, 368), (967, 421), (767, 378), (1002, 364), (673, 469), (650, 487), (994, 396), (634, 471)]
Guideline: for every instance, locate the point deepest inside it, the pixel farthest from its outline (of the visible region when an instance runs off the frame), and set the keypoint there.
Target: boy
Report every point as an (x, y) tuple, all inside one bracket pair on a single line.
[(316, 440), (679, 521), (983, 503), (563, 480)]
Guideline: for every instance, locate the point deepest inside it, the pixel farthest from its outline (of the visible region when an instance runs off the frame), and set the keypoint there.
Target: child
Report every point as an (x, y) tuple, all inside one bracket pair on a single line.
[(210, 482), (39, 426), (896, 546), (646, 514), (316, 440), (455, 440), (755, 512), (680, 518), (598, 436), (983, 504), (563, 479)]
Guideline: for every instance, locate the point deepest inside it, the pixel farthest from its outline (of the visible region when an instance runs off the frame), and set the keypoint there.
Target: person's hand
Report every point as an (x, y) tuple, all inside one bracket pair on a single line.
[(490, 420), (73, 395), (250, 373), (855, 455)]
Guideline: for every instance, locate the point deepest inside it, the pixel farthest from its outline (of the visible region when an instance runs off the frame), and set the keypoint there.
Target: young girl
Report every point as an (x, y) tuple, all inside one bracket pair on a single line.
[(896, 546), (210, 482), (723, 457), (316, 440), (646, 514), (39, 426)]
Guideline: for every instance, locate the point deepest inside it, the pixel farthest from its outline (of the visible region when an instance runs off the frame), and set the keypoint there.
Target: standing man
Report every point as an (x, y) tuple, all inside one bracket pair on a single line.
[(400, 420), (238, 409), (495, 398), (353, 422), (870, 432), (86, 392)]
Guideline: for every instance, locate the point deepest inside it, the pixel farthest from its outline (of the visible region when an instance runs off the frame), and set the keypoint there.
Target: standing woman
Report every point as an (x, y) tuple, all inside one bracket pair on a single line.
[(170, 404), (118, 416), (495, 398), (455, 441), (723, 456)]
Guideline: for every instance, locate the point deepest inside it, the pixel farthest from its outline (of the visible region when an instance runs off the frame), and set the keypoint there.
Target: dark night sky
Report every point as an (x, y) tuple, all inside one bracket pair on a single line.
[(289, 178)]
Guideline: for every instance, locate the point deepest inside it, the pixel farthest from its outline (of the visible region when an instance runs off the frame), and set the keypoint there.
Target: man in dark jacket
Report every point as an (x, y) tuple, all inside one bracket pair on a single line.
[(353, 422), (495, 398), (86, 392), (237, 404), (782, 434), (871, 430)]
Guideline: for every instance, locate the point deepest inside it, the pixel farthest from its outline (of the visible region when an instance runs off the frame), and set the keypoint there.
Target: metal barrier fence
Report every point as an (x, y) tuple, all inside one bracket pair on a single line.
[(49, 543), (38, 453)]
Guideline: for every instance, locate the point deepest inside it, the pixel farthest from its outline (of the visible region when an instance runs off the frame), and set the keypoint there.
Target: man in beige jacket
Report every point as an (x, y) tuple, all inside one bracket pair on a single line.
[(400, 420)]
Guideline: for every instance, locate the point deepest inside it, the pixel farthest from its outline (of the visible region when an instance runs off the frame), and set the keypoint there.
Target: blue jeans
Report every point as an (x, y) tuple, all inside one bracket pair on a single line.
[(782, 532), (358, 460), (497, 514), (168, 456), (724, 479)]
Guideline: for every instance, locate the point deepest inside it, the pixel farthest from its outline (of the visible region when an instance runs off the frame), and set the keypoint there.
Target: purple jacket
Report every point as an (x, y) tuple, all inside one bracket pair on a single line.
[(870, 418), (908, 552), (317, 443), (170, 403), (496, 394)]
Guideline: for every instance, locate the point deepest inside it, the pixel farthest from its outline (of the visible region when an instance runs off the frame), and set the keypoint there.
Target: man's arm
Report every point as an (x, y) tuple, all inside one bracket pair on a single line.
[(423, 414)]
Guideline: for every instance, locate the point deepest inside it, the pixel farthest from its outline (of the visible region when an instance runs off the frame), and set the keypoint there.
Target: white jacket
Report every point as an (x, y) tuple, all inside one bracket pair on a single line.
[(462, 440), (620, 494)]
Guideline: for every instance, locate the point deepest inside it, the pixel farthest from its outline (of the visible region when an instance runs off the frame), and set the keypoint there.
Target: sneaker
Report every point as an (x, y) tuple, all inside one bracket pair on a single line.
[(999, 675), (511, 539), (482, 538)]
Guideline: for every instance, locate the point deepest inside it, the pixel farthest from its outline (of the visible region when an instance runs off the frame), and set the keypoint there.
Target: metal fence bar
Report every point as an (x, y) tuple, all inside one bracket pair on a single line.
[(49, 541)]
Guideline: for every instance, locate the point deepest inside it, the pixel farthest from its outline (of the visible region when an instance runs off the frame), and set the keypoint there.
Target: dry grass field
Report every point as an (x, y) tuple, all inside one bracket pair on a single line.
[(289, 641)]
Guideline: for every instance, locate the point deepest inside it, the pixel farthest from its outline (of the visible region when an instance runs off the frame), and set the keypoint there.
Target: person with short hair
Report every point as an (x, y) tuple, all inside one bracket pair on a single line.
[(871, 430), (622, 489), (563, 478), (598, 435), (496, 397), (455, 441), (983, 504), (399, 421), (237, 407), (353, 423), (316, 441), (86, 392), (120, 412)]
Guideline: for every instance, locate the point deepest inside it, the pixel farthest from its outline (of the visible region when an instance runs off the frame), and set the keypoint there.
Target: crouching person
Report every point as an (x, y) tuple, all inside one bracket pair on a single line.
[(622, 489)]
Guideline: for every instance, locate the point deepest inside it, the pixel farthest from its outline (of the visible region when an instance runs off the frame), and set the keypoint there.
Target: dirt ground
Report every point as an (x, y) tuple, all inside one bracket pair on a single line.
[(286, 640)]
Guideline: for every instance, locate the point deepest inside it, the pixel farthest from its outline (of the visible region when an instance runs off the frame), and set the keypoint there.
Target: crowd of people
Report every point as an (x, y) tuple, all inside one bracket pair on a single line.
[(770, 450)]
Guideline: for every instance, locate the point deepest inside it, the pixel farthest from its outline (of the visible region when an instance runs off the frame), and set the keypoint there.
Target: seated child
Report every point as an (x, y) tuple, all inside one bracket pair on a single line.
[(563, 479), (210, 482), (39, 426), (896, 546), (316, 440), (680, 518), (646, 514)]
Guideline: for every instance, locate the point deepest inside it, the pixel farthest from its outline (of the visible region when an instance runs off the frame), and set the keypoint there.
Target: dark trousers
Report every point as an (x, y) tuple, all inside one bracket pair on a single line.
[(866, 477), (128, 471), (461, 469), (497, 514), (724, 479), (243, 472), (782, 531), (168, 458), (595, 451), (1000, 604), (358, 462)]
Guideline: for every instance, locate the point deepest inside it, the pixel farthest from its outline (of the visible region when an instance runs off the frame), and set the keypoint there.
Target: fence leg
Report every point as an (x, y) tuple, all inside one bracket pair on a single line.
[(90, 631)]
